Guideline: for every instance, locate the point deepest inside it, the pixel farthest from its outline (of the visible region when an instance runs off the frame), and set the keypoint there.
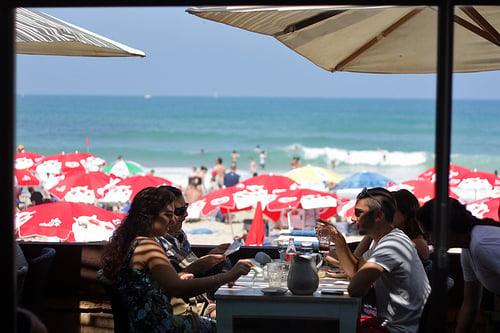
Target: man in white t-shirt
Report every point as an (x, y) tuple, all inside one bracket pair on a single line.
[(480, 243), (392, 265)]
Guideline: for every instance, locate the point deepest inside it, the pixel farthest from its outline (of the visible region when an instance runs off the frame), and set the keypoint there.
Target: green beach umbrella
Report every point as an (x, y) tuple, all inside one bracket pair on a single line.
[(123, 169)]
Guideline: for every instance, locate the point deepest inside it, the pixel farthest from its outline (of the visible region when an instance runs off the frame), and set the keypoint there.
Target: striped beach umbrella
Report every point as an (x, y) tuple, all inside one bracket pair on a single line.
[(123, 169), (39, 33)]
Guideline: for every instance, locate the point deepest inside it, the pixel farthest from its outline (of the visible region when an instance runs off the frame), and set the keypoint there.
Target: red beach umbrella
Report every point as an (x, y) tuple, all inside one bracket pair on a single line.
[(476, 185), (271, 183), (257, 230), (26, 178), (455, 174), (479, 179), (83, 187), (424, 190), (223, 199), (304, 198), (485, 208), (126, 189), (26, 160), (67, 222), (63, 163), (347, 209)]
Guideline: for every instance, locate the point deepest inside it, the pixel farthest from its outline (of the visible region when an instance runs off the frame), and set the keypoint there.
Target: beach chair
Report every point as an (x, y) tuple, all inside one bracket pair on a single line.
[(119, 309)]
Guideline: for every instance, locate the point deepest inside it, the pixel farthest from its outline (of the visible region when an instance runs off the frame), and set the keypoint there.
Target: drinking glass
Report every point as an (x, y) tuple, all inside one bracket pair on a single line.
[(274, 274), (323, 244)]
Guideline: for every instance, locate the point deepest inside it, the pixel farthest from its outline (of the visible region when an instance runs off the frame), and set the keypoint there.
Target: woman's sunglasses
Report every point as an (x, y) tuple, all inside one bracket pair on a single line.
[(179, 211)]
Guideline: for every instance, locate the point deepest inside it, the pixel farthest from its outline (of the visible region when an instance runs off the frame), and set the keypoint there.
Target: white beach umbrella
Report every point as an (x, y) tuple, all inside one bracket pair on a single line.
[(383, 39), (40, 33)]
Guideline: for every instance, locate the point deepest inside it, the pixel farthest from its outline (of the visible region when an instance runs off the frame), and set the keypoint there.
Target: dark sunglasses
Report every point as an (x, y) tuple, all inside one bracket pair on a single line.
[(179, 211)]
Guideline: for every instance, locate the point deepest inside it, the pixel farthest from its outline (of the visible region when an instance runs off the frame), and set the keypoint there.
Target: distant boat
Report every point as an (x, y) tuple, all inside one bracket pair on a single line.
[(147, 96)]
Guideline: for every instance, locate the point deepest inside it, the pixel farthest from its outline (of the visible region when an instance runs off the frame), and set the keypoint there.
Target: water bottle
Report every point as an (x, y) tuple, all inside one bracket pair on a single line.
[(290, 251)]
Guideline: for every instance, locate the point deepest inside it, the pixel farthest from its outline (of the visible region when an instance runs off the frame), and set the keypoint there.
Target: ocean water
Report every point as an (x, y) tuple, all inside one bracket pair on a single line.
[(394, 137)]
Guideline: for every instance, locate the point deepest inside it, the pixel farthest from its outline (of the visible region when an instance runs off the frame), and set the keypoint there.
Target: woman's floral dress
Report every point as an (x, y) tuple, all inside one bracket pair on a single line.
[(149, 306)]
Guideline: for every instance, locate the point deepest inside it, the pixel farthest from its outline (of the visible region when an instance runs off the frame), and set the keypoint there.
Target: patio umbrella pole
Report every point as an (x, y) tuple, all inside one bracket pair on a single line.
[(439, 299), (288, 218), (231, 224), (7, 134)]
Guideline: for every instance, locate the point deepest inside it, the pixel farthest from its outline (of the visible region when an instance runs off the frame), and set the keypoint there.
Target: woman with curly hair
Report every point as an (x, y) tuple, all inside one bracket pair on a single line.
[(144, 277)]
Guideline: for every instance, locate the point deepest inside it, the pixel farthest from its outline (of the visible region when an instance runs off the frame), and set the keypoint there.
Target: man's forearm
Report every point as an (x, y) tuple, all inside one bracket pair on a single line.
[(347, 260)]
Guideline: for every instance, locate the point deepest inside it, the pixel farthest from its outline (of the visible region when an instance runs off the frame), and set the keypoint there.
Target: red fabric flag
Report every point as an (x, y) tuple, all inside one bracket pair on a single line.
[(257, 229), (87, 142)]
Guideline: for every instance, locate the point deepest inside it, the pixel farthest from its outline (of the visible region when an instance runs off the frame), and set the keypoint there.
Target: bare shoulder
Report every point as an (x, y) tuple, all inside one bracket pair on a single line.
[(148, 249), (146, 241)]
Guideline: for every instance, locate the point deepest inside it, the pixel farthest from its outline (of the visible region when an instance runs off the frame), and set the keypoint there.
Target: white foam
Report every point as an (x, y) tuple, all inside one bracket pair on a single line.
[(366, 157)]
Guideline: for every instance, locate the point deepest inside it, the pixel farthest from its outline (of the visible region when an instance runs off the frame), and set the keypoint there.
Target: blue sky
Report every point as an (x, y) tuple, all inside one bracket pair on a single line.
[(189, 56)]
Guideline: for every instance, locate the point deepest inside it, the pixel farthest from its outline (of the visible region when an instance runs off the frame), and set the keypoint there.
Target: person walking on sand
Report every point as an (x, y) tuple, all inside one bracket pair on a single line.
[(253, 167), (392, 265), (201, 175), (193, 192), (219, 170), (262, 159)]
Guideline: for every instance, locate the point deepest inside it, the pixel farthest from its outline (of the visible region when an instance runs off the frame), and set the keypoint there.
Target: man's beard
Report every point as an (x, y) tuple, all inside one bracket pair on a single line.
[(368, 223)]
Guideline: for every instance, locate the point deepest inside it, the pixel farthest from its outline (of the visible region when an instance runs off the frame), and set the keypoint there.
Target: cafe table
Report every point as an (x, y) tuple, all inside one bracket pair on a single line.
[(245, 308)]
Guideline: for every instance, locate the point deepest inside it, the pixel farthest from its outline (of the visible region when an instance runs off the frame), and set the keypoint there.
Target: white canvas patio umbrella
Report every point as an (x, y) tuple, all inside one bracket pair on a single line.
[(384, 39), (42, 34)]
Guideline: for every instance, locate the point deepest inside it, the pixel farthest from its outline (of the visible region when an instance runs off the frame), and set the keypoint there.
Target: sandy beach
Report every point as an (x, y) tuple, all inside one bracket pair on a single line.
[(214, 233), (207, 231)]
